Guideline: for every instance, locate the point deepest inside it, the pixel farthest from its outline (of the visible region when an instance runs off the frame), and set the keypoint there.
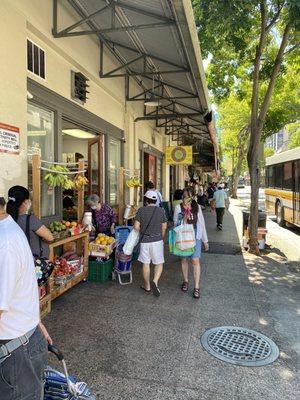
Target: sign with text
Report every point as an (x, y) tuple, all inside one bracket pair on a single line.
[(9, 139), (179, 155)]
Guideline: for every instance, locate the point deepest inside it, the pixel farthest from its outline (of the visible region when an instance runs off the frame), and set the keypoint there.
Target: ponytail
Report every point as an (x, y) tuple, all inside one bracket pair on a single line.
[(16, 197)]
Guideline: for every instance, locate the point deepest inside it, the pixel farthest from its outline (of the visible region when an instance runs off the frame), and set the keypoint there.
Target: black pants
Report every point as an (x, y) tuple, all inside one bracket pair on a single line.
[(220, 213)]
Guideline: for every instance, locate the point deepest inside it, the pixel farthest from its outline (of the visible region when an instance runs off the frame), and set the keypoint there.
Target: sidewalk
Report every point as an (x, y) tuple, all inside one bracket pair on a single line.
[(130, 345)]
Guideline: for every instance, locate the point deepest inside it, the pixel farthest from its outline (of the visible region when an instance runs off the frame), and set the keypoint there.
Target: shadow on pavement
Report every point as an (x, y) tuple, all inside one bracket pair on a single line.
[(130, 345)]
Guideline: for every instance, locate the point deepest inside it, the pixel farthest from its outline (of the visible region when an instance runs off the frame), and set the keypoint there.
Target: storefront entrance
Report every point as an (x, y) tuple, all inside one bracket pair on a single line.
[(62, 132)]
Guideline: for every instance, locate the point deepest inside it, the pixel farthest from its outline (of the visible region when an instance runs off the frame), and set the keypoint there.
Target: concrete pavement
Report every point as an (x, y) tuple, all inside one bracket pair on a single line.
[(130, 345)]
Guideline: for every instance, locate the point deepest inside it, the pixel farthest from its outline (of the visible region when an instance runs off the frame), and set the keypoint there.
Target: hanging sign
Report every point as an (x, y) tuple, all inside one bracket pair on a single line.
[(179, 155), (9, 139)]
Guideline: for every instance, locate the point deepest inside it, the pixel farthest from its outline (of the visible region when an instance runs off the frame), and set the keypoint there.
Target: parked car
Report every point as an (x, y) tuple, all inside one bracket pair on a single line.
[(241, 183)]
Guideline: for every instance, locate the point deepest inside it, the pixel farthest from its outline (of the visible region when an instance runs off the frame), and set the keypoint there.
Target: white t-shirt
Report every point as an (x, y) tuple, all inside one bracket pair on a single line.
[(19, 298)]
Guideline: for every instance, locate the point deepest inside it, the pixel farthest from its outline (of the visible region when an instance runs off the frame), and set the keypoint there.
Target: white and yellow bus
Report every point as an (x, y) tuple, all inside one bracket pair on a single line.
[(283, 186)]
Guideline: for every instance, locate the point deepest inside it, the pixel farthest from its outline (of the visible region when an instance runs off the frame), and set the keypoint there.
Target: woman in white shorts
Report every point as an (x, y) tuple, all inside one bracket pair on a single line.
[(151, 221)]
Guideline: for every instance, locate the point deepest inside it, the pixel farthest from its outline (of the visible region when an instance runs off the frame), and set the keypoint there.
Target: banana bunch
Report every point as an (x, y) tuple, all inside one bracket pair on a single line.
[(57, 177), (80, 181), (133, 182)]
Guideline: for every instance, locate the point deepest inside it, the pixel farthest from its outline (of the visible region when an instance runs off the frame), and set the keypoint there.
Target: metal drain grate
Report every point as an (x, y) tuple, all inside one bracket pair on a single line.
[(239, 346)]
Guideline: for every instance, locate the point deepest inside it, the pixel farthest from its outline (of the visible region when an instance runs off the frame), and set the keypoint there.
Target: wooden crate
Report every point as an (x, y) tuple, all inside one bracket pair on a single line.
[(59, 290), (45, 305)]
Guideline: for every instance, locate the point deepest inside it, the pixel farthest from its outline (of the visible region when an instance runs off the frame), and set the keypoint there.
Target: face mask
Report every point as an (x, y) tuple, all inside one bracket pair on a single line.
[(93, 207)]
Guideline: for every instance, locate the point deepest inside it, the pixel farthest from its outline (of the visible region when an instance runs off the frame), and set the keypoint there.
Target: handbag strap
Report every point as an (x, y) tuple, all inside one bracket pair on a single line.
[(145, 230), (27, 233)]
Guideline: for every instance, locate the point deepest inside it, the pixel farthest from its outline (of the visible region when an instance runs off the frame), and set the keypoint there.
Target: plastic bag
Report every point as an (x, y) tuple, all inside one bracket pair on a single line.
[(175, 250), (131, 242), (185, 236), (57, 387)]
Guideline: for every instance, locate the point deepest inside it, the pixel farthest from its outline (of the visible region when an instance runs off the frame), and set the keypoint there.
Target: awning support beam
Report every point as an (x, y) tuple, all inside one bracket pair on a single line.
[(164, 116)]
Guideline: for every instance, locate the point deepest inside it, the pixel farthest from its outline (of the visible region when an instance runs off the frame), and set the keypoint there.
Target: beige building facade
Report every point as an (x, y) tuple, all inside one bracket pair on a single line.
[(29, 101)]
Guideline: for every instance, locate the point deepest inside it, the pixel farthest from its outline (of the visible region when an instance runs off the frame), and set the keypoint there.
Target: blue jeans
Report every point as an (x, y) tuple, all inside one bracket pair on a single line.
[(21, 374)]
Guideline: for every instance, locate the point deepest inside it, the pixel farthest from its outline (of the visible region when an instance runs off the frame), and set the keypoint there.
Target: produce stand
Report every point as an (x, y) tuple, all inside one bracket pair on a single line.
[(37, 167), (54, 291), (82, 242)]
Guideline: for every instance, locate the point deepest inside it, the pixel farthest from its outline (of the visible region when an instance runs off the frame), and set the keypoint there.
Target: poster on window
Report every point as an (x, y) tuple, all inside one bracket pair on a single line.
[(9, 139)]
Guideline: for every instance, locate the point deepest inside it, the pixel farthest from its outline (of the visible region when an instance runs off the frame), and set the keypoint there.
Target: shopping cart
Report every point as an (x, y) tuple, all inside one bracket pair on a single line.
[(62, 386), (123, 262)]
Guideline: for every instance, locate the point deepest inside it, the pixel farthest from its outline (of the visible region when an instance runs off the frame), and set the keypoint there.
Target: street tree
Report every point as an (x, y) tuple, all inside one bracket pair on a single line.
[(294, 134), (234, 121), (248, 38)]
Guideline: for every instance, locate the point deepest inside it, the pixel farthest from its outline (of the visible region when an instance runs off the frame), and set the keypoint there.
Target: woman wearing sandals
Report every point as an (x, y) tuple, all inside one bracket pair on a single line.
[(190, 212)]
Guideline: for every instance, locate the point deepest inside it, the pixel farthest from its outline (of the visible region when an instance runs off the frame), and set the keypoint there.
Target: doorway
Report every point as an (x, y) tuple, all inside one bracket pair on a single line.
[(81, 143), (150, 163)]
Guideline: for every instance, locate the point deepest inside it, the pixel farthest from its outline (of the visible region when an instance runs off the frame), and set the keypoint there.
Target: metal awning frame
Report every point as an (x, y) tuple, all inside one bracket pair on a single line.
[(171, 111)]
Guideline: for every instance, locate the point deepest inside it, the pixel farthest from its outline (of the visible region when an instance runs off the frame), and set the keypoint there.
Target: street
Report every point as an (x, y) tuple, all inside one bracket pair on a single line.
[(284, 239)]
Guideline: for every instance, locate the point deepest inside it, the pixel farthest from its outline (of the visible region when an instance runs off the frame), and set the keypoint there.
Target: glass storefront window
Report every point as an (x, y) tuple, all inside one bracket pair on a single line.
[(40, 139), (114, 165)]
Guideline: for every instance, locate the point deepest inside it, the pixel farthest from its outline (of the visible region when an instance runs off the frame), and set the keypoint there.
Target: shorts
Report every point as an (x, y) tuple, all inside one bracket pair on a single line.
[(152, 252), (197, 252)]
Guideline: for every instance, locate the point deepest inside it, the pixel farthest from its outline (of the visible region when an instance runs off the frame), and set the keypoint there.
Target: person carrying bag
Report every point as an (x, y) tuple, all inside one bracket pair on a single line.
[(151, 221), (189, 213)]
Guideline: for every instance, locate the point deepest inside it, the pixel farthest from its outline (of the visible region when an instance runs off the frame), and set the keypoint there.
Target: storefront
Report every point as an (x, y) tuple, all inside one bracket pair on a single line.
[(83, 102), (151, 165), (61, 131)]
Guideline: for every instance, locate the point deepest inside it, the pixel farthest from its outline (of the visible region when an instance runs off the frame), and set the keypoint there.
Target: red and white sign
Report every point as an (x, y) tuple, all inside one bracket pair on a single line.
[(9, 139)]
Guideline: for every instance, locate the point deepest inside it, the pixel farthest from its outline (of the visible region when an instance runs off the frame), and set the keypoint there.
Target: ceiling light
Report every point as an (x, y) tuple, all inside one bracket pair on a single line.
[(79, 133), (36, 133), (152, 101)]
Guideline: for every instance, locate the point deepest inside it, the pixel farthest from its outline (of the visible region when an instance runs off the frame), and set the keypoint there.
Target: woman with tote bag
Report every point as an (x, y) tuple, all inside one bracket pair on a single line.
[(189, 212)]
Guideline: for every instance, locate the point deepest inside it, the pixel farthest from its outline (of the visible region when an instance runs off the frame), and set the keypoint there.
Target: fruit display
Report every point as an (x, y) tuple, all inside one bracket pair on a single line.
[(76, 228), (66, 267), (65, 228), (104, 239), (102, 246), (133, 182), (80, 181), (58, 177), (57, 226)]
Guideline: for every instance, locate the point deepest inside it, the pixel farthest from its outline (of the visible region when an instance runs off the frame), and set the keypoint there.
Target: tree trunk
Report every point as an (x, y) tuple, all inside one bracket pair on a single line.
[(237, 170), (243, 139), (257, 123), (253, 164)]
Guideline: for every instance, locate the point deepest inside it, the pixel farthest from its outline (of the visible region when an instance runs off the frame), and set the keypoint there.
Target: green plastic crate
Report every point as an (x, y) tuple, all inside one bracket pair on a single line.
[(100, 271)]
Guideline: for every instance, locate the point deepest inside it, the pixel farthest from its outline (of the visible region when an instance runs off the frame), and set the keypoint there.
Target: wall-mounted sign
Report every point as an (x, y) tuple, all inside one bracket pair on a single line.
[(179, 155), (9, 139)]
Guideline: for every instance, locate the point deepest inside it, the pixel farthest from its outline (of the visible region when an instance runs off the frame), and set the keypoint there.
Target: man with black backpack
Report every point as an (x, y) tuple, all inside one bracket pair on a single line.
[(151, 222)]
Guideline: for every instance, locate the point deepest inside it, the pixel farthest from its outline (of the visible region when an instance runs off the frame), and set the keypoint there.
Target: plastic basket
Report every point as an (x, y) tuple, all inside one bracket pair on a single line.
[(121, 233), (100, 271)]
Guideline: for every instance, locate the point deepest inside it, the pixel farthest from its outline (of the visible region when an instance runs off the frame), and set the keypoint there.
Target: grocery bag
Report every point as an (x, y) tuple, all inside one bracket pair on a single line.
[(174, 249), (131, 242), (185, 236)]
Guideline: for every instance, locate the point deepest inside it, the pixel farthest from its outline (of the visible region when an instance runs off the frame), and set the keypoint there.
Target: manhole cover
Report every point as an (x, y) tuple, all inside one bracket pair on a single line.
[(239, 346)]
